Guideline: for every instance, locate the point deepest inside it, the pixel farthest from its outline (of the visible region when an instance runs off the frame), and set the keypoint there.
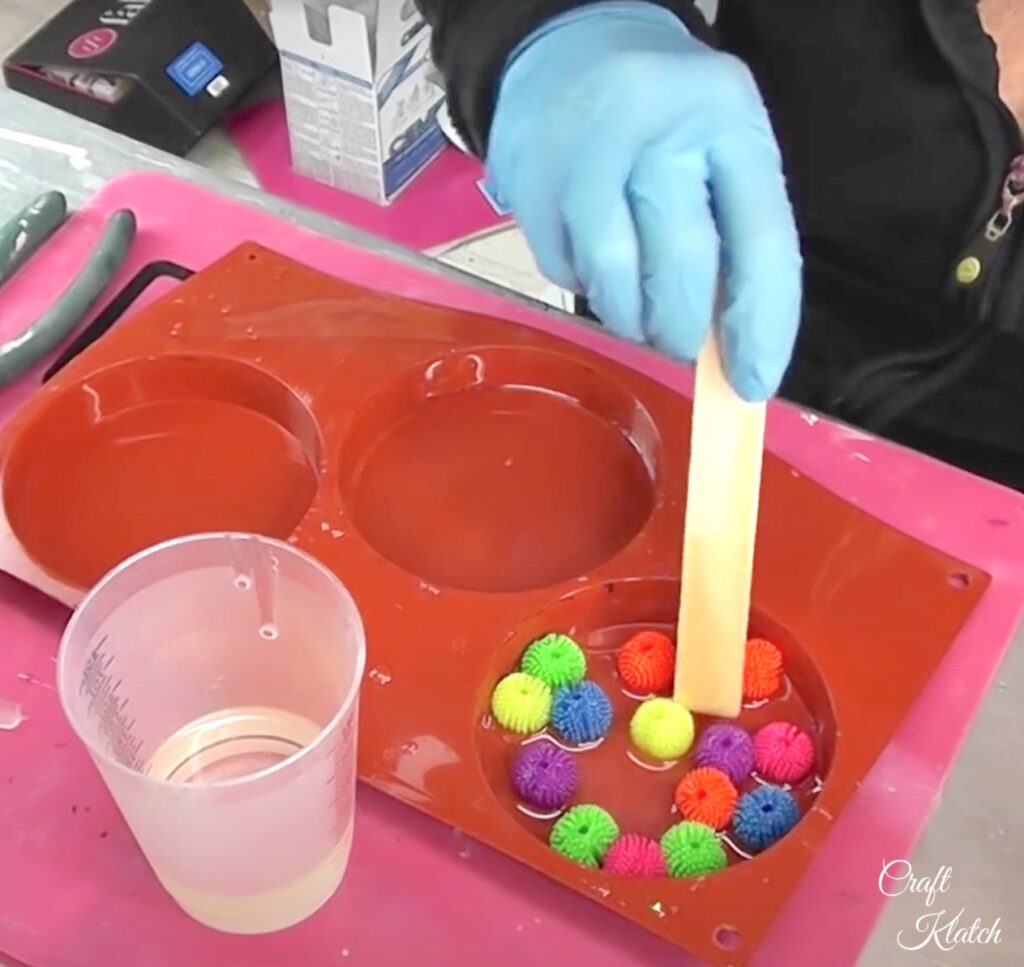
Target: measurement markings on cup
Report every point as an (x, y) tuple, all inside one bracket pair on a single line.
[(102, 688)]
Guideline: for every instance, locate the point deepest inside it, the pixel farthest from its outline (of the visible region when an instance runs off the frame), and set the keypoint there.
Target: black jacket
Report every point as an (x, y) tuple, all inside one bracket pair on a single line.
[(897, 152)]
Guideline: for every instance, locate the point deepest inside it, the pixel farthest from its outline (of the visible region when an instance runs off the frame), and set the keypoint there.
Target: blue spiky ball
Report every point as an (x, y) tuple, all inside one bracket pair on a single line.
[(764, 815), (581, 713)]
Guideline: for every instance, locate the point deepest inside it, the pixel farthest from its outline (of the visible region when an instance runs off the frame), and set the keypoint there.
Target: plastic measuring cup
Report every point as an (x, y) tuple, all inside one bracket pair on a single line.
[(215, 681)]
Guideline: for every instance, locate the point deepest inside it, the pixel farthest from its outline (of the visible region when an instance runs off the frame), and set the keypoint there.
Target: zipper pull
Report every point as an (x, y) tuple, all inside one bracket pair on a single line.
[(972, 262)]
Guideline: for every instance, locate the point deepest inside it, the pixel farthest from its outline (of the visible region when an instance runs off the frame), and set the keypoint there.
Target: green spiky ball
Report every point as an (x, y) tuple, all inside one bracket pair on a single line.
[(556, 660), (692, 849), (584, 834)]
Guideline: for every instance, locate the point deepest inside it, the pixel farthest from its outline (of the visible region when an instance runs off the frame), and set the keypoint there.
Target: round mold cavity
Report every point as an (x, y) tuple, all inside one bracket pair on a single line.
[(152, 449), (639, 793), (500, 470)]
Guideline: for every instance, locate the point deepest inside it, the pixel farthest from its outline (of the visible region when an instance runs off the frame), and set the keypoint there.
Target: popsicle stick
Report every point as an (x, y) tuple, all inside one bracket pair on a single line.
[(726, 447)]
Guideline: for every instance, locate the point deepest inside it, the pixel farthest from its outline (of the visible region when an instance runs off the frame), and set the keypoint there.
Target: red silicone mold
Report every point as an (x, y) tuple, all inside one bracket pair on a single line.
[(476, 484)]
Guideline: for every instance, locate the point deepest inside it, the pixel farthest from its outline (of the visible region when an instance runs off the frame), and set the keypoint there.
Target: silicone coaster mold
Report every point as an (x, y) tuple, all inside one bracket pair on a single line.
[(153, 449), (839, 592)]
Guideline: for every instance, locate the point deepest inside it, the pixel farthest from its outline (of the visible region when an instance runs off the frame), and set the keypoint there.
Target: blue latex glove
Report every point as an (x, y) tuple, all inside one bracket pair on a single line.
[(631, 153)]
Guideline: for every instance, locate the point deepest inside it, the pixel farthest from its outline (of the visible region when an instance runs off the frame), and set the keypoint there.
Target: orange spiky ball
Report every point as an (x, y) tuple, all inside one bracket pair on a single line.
[(762, 670), (646, 662), (707, 795)]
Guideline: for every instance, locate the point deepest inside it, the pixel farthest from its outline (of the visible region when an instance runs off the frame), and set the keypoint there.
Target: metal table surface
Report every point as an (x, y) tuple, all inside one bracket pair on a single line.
[(977, 830)]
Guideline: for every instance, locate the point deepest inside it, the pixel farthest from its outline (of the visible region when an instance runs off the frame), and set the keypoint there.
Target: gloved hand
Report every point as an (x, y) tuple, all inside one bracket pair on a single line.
[(628, 150)]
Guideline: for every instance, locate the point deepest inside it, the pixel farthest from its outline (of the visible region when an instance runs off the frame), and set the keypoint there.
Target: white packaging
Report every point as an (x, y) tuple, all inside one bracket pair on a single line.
[(360, 92)]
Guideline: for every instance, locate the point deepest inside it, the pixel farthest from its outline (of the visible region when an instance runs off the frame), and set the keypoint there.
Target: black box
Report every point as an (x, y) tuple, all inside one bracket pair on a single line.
[(160, 71)]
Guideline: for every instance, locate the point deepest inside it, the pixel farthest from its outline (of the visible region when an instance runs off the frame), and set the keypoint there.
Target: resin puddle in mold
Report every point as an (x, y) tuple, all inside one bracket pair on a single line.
[(156, 449), (518, 489)]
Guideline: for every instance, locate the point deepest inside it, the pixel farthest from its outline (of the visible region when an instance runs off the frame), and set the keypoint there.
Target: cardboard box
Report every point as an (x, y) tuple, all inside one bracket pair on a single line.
[(360, 92), (160, 71)]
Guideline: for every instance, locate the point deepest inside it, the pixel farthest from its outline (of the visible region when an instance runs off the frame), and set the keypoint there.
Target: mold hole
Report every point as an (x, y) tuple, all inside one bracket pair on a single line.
[(536, 470), (637, 792), (251, 257), (726, 938), (99, 471), (959, 580)]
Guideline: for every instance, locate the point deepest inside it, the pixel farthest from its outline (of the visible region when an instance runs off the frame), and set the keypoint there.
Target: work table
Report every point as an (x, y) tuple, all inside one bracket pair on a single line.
[(977, 829)]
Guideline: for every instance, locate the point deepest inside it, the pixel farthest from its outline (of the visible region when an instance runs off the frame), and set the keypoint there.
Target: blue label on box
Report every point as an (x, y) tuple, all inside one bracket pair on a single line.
[(194, 68), (412, 151)]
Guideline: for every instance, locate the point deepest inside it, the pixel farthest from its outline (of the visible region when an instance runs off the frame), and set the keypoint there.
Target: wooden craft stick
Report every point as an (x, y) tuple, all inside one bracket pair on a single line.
[(726, 447)]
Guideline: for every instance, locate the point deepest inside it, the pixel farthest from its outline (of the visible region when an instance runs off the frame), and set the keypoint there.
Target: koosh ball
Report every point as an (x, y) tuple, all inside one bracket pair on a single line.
[(726, 747), (662, 729), (581, 713), (762, 670), (556, 660), (783, 753), (692, 849), (706, 795), (521, 703), (584, 834), (646, 663), (763, 816), (634, 855), (544, 776)]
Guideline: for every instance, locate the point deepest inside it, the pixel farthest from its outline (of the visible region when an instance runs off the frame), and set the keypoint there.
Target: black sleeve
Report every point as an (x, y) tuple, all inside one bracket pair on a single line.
[(473, 38)]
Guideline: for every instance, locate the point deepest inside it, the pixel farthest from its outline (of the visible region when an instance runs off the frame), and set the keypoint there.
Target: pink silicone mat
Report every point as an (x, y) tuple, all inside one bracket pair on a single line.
[(75, 891), (442, 205)]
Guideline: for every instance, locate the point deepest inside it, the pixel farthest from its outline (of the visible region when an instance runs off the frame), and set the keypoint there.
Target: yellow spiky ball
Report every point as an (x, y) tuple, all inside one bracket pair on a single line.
[(662, 729), (521, 703)]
